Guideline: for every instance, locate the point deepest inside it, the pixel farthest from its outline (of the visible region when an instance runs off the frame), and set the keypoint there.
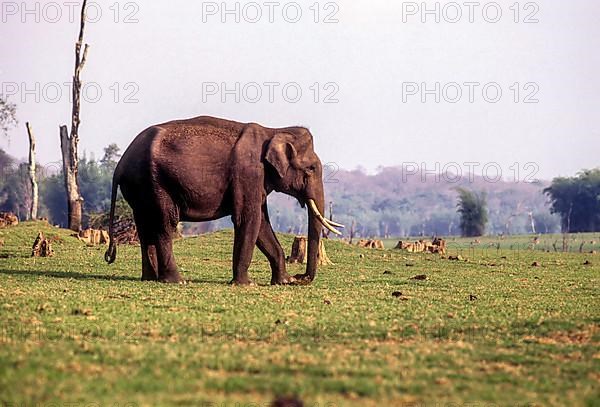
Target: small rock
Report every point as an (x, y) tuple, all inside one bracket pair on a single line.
[(287, 402), (361, 256), (85, 311), (397, 294), (535, 264), (387, 272), (587, 263), (419, 277), (409, 265), (327, 302), (472, 297), (456, 258)]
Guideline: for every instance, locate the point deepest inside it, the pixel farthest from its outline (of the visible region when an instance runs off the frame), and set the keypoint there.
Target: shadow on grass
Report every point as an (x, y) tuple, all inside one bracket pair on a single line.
[(68, 274), (90, 276)]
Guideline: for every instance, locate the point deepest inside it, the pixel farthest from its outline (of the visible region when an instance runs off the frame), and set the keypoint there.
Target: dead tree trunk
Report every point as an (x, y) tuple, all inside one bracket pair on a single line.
[(68, 143), (32, 178), (70, 166), (532, 221)]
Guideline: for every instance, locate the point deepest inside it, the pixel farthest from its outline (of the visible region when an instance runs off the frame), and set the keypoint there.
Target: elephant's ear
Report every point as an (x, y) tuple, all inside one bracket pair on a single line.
[(280, 153)]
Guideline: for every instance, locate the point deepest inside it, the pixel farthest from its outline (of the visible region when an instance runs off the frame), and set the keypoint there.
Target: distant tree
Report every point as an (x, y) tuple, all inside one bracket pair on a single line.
[(472, 208), (6, 164), (110, 158), (8, 119), (546, 222), (8, 115), (15, 194), (577, 201), (52, 193), (95, 186)]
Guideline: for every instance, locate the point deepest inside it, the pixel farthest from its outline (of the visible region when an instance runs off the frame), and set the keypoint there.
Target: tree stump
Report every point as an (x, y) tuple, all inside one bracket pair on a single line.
[(93, 237), (370, 244), (8, 219), (299, 252), (41, 247)]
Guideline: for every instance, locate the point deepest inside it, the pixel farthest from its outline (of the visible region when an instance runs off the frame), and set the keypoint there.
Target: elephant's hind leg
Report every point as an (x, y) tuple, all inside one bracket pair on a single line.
[(149, 261), (167, 269), (156, 228)]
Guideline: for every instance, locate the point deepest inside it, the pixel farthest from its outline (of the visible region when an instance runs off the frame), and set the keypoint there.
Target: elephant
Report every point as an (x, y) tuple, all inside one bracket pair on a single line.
[(206, 168)]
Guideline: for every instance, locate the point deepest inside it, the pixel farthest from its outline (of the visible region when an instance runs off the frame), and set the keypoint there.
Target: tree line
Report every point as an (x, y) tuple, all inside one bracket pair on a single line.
[(568, 204)]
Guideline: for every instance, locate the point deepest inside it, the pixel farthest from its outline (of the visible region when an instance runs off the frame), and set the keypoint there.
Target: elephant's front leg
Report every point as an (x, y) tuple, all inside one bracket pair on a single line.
[(268, 244), (245, 235)]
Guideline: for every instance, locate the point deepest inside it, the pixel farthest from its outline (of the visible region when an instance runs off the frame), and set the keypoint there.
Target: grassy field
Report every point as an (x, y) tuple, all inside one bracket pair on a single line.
[(492, 328)]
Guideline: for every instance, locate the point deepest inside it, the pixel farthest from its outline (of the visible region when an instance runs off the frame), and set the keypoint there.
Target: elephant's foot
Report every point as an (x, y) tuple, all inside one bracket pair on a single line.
[(284, 279), (172, 277), (242, 281), (302, 279)]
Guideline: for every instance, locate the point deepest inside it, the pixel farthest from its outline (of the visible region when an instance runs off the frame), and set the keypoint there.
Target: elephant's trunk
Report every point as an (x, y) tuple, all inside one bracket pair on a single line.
[(314, 236)]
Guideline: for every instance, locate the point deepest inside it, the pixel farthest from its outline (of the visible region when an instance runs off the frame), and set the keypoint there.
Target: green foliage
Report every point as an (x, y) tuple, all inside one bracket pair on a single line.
[(491, 330), (577, 201), (472, 208)]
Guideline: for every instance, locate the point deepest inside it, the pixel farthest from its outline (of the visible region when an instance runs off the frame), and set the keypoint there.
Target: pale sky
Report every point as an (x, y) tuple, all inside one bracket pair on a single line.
[(175, 52)]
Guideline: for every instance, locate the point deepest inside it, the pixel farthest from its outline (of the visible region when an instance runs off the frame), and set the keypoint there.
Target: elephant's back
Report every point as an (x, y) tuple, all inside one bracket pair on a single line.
[(202, 129), (183, 155)]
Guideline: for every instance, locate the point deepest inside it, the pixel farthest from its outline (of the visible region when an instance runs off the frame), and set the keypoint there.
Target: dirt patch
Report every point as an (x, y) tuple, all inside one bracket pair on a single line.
[(582, 337)]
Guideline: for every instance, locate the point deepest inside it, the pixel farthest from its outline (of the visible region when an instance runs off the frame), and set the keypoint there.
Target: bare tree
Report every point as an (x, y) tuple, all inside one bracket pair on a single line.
[(352, 230), (532, 221), (32, 178), (68, 143), (326, 232)]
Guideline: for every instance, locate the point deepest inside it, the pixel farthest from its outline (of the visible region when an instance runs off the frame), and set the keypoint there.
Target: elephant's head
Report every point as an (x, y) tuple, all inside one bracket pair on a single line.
[(296, 170)]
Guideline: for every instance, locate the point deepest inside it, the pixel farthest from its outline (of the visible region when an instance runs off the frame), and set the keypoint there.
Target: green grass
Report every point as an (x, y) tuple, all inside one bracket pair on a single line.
[(491, 329)]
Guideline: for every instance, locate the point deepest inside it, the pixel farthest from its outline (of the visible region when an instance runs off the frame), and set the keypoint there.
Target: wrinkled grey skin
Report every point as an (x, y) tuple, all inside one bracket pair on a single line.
[(206, 168)]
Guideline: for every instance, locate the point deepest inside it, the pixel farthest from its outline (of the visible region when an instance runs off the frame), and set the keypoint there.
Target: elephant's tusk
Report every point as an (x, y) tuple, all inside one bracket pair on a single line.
[(332, 223), (325, 222)]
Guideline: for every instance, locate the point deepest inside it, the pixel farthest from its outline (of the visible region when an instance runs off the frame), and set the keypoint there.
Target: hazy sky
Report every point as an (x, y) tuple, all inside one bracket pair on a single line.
[(168, 62)]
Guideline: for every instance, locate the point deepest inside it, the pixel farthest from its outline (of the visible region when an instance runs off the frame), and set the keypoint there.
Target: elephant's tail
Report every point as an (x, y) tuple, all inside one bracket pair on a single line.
[(111, 252)]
